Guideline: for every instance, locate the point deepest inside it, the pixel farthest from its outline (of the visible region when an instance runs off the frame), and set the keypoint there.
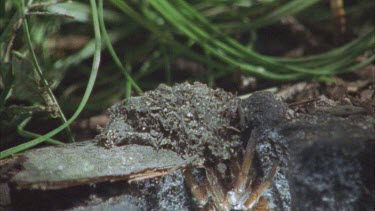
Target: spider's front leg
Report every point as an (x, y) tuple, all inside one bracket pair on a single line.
[(199, 192), (239, 193), (242, 196), (257, 192), (217, 190), (243, 175), (252, 199)]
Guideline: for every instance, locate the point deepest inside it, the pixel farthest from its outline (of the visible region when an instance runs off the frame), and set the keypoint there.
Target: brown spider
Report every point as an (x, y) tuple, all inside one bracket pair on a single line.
[(241, 195), (192, 120)]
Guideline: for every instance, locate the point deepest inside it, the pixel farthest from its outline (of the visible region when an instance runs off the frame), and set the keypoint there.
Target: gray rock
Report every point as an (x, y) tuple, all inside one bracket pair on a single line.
[(326, 157), (332, 163)]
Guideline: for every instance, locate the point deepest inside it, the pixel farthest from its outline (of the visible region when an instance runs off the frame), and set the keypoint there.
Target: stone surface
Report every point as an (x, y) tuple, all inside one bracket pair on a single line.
[(86, 162), (326, 155), (172, 193), (120, 203), (331, 161)]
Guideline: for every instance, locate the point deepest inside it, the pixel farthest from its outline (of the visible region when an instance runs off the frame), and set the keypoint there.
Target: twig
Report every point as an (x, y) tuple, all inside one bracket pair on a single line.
[(302, 102)]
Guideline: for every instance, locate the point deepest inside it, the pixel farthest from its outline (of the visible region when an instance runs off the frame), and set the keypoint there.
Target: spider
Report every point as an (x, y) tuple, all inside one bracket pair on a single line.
[(241, 194), (194, 121)]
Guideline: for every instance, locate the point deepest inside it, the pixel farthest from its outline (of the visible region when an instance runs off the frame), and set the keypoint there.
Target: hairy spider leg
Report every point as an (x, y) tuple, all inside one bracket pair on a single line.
[(241, 187), (235, 168), (243, 175), (262, 205), (218, 196), (199, 192), (257, 192)]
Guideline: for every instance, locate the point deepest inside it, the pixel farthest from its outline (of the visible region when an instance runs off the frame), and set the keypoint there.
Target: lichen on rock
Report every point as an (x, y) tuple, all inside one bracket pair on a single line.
[(191, 119)]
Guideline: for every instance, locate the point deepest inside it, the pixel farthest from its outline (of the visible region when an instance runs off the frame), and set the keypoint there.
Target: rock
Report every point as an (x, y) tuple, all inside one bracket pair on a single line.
[(326, 156), (86, 162), (331, 160), (172, 193)]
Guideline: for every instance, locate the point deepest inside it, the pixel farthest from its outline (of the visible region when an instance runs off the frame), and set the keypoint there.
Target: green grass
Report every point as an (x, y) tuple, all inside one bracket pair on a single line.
[(89, 88), (134, 44)]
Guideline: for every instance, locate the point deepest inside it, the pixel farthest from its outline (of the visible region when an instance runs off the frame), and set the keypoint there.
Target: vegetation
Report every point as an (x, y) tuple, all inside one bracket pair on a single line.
[(51, 52)]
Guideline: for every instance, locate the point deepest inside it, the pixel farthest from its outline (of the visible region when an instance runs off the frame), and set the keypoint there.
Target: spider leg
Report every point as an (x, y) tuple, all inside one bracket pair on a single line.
[(241, 186), (262, 205), (257, 192), (243, 174), (234, 168), (198, 192), (208, 207), (217, 190), (241, 114)]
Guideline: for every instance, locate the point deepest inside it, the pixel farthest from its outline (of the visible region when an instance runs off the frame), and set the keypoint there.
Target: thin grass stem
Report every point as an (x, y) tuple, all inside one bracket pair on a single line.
[(89, 88), (39, 71), (108, 43)]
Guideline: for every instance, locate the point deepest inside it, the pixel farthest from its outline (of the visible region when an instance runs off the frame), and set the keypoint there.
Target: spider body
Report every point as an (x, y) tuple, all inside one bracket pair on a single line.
[(195, 121)]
